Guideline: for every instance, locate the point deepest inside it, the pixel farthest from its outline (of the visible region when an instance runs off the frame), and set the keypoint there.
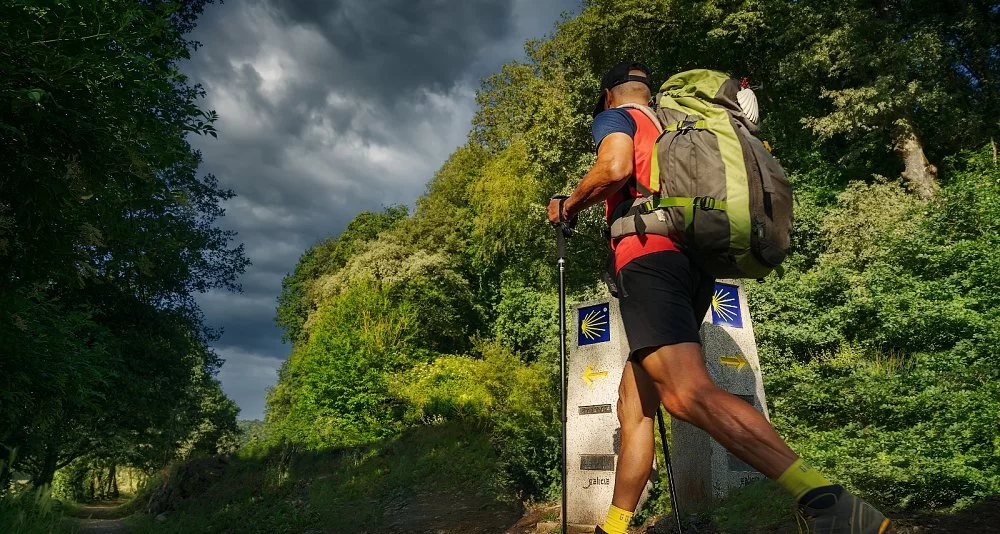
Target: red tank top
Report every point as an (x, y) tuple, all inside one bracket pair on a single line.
[(631, 247)]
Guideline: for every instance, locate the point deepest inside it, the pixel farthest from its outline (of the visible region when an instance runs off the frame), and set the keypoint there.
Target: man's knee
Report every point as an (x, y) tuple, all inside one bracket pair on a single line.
[(688, 403), (681, 379)]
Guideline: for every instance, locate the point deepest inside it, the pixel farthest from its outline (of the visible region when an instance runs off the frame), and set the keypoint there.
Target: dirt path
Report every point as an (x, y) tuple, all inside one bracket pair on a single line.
[(100, 519), (101, 526)]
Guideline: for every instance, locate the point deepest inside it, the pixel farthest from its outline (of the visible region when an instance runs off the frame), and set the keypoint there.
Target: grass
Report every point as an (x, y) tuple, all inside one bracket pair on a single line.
[(32, 511), (759, 507), (438, 475), (431, 478)]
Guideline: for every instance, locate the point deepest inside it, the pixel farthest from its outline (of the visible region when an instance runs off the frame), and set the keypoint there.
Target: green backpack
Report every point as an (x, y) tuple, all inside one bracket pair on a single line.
[(714, 187)]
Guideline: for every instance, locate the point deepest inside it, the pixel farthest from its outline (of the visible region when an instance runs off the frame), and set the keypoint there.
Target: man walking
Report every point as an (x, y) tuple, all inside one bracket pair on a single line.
[(663, 297)]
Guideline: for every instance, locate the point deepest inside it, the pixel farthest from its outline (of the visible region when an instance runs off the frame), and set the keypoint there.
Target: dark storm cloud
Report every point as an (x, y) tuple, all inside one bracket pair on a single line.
[(390, 46), (327, 109), (249, 319), (377, 57)]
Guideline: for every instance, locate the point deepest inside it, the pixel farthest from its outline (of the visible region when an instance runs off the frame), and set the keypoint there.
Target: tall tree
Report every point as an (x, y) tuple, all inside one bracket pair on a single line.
[(106, 227)]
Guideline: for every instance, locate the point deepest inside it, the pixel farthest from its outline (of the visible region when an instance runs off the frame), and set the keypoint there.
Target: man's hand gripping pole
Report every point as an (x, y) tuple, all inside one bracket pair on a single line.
[(564, 228)]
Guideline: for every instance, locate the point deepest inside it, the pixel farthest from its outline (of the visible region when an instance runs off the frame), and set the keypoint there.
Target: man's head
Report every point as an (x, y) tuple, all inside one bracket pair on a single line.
[(626, 83)]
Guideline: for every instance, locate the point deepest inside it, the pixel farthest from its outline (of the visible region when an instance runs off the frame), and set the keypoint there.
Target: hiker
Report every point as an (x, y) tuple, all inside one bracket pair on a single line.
[(663, 297)]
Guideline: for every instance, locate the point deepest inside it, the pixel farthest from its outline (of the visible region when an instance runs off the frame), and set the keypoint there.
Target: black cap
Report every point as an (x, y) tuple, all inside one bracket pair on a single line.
[(618, 75)]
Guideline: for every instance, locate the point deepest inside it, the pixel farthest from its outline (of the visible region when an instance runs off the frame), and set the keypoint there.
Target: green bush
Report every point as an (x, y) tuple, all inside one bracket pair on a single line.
[(333, 390), (527, 319), (923, 432), (880, 356), (514, 402)]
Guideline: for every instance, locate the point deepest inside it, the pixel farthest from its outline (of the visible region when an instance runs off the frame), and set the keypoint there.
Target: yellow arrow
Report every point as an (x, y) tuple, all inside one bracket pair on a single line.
[(734, 360), (589, 375)]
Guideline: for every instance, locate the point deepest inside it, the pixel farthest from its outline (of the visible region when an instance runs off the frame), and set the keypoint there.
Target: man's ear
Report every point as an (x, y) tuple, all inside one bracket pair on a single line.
[(608, 96)]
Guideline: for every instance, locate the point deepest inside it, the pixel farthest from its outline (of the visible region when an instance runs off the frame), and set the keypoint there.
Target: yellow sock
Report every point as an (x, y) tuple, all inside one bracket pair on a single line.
[(617, 521), (798, 479)]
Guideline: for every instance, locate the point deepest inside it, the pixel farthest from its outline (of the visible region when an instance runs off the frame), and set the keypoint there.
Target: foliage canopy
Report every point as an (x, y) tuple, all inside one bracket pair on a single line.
[(107, 232)]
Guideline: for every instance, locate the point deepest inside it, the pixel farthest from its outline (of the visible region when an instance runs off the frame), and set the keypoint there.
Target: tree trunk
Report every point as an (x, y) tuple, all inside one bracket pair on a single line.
[(919, 174), (114, 481), (4, 477), (48, 470), (105, 485)]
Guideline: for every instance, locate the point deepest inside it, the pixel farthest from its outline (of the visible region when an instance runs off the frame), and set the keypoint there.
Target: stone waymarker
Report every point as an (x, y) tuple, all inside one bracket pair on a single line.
[(598, 350), (703, 469)]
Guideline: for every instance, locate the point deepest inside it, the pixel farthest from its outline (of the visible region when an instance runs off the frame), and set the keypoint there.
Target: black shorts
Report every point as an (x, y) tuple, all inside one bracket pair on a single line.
[(663, 298)]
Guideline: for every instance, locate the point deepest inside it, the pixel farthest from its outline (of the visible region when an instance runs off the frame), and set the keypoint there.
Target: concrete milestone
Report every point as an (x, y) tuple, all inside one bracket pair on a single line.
[(703, 469), (598, 350)]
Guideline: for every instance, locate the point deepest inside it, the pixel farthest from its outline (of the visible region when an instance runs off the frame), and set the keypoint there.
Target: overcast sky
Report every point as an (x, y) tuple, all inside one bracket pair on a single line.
[(328, 108)]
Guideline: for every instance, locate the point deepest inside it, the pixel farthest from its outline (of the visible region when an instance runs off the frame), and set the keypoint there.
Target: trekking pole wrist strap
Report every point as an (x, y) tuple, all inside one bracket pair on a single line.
[(562, 210)]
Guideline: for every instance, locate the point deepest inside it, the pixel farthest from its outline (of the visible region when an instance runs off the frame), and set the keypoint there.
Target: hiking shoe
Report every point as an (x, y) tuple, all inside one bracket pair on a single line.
[(833, 510)]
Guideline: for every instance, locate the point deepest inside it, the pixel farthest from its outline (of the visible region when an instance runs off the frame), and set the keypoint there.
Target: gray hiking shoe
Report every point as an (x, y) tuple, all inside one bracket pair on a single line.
[(833, 510)]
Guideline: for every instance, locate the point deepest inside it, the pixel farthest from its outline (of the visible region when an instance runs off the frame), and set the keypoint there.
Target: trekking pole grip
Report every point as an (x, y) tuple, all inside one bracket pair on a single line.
[(564, 229)]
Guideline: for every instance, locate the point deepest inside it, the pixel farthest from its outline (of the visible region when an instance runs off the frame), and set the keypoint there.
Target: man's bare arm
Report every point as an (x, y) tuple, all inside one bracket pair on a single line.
[(614, 166)]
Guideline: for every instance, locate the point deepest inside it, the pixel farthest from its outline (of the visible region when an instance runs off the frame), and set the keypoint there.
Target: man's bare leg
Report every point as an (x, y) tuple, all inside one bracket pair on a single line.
[(679, 374), (637, 404), (682, 383)]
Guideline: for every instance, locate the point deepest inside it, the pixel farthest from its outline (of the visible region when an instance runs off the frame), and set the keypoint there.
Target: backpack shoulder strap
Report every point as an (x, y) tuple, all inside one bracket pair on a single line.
[(647, 111)]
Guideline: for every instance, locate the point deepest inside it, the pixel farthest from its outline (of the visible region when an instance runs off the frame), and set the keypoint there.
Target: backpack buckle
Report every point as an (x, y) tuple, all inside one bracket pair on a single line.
[(647, 207), (687, 124), (704, 203)]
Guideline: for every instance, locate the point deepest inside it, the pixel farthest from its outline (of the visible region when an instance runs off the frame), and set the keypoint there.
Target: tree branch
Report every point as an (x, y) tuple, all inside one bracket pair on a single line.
[(96, 35)]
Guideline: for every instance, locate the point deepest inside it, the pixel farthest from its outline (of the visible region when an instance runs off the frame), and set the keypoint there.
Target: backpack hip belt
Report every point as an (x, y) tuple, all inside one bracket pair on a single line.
[(645, 215)]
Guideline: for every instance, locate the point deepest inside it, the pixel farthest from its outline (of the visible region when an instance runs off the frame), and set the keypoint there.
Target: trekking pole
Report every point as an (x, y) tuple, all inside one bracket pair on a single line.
[(563, 231), (670, 471)]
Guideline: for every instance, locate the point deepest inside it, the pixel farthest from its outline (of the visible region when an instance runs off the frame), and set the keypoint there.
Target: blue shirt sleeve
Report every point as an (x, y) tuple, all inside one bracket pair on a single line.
[(611, 121)]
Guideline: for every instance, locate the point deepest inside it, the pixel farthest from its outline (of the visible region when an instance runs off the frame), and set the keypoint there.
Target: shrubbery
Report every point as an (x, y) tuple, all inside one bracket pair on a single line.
[(513, 401), (881, 356), (30, 512), (333, 390)]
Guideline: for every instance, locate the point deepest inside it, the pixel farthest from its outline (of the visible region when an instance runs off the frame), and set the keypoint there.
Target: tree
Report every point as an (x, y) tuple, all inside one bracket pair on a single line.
[(325, 258), (106, 231), (909, 75)]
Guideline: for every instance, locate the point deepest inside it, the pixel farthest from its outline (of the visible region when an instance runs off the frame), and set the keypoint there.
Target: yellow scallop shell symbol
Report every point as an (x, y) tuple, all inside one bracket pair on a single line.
[(594, 324), (724, 304)]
